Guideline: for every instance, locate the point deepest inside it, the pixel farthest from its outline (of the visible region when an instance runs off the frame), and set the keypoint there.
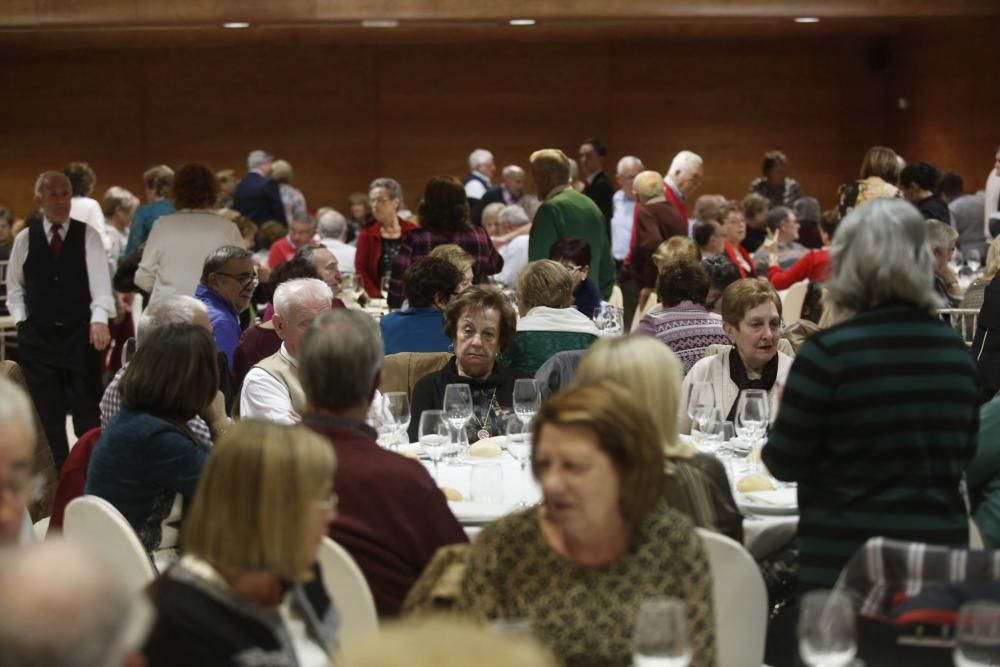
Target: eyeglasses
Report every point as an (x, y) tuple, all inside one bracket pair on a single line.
[(573, 269), (377, 201), (244, 279)]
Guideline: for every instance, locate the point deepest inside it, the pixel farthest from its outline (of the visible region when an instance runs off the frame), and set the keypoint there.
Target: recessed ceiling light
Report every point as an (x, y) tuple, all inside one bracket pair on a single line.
[(807, 19), (522, 21), (380, 23), (236, 24)]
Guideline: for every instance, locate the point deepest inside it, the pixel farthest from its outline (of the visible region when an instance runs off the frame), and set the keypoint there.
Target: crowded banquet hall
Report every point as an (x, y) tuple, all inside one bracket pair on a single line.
[(436, 333)]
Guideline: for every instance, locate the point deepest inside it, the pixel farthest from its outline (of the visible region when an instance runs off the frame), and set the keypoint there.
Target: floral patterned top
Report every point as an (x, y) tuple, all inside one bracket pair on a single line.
[(586, 616)]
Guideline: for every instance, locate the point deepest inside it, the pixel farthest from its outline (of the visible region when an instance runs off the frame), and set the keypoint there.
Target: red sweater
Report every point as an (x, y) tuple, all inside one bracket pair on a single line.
[(731, 254), (369, 251), (814, 265)]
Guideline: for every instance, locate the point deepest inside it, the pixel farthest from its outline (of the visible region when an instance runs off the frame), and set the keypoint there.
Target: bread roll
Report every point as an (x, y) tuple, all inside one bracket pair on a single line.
[(451, 494), (485, 449), (751, 483)]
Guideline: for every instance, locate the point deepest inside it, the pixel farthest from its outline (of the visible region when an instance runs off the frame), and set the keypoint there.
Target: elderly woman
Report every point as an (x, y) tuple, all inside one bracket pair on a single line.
[(697, 485), (878, 418), (879, 177), (480, 322), (147, 455), (245, 591), (444, 218), (382, 239), (975, 294), (179, 243), (291, 197), (941, 240), (458, 258), (159, 181), (683, 323), (783, 228), (734, 229), (359, 215), (118, 206), (751, 317), (579, 565), (721, 274), (549, 323), (429, 285)]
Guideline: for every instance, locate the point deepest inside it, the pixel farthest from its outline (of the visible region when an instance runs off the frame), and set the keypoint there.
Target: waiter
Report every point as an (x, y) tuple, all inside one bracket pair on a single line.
[(59, 294)]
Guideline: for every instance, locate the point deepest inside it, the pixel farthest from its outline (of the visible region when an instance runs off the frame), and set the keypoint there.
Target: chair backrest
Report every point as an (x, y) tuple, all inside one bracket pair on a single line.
[(95, 523), (740, 601), (73, 478), (403, 369), (616, 299), (643, 309), (348, 589), (792, 301), (965, 320)]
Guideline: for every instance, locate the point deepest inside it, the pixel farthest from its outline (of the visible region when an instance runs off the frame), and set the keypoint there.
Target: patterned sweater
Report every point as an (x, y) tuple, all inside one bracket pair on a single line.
[(877, 423), (687, 329)]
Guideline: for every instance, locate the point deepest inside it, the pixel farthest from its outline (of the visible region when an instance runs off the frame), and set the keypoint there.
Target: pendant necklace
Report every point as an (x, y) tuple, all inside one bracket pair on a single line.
[(484, 429)]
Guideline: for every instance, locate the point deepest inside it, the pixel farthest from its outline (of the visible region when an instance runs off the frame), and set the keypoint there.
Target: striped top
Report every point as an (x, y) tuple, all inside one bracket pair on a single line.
[(687, 329), (877, 422)]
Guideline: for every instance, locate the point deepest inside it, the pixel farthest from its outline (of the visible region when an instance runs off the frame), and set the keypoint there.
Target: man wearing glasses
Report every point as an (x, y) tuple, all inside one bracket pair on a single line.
[(228, 279)]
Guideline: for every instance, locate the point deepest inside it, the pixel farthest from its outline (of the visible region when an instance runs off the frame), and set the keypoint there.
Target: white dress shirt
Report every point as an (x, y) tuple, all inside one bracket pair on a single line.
[(264, 397), (515, 258), (343, 252), (88, 210), (102, 301), (992, 193), (477, 186), (621, 224)]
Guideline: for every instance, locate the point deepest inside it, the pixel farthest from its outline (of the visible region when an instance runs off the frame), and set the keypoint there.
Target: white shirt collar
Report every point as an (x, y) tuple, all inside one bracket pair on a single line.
[(288, 357), (47, 226)]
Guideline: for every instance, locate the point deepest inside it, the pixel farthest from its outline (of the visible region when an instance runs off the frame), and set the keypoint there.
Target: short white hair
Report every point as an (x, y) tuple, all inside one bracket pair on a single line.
[(15, 406), (514, 215), (940, 234), (684, 161), (629, 161), (46, 175), (493, 209), (298, 292), (332, 224), (479, 157), (174, 309), (510, 170)]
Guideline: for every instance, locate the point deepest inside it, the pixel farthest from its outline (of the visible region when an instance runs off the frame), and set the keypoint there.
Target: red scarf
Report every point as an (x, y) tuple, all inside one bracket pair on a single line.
[(734, 257)]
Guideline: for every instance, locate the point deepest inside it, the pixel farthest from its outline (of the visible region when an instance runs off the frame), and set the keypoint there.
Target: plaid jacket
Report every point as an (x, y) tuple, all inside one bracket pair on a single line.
[(419, 243)]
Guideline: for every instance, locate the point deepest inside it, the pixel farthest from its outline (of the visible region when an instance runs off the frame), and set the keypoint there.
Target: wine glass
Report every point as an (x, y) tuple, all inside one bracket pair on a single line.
[(660, 637), (527, 399), (751, 416), (458, 410), (977, 635), (608, 320), (700, 403), (713, 431), (434, 435), (973, 261), (397, 406), (518, 444), (826, 629)]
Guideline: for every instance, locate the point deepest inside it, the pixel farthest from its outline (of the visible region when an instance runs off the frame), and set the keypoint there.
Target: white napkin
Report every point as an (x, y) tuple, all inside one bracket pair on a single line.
[(780, 498)]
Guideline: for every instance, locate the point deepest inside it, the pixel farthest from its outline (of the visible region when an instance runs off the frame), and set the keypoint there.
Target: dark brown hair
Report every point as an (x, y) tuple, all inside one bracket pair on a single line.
[(574, 249), (444, 209), (430, 278), (479, 298), (81, 178), (195, 186), (682, 281)]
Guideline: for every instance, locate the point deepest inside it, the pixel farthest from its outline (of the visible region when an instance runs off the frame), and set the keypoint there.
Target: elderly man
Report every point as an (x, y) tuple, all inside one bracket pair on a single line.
[(774, 185), (258, 196), (326, 266), (271, 390), (333, 234), (17, 452), (228, 279), (59, 295), (658, 219), (392, 517), (477, 182), (566, 212), (623, 207), (510, 191), (598, 186), (514, 252), (300, 233), (100, 621)]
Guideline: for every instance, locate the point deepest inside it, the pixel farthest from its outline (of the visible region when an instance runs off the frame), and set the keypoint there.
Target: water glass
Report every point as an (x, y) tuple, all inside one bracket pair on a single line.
[(397, 407), (977, 635), (486, 483), (384, 286), (699, 402), (609, 320), (518, 444), (527, 399), (457, 407), (434, 435), (826, 629), (713, 431), (660, 637)]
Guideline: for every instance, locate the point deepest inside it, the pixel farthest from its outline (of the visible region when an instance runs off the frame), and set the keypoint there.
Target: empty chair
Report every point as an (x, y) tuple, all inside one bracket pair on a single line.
[(95, 522), (792, 300), (347, 587), (740, 601)]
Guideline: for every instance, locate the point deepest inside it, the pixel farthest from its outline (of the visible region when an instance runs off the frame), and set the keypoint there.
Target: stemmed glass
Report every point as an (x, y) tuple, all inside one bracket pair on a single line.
[(527, 399), (397, 406), (973, 261), (713, 431), (826, 629), (751, 418), (700, 403), (977, 635), (434, 435), (609, 320), (458, 411), (384, 286), (518, 443), (660, 637)]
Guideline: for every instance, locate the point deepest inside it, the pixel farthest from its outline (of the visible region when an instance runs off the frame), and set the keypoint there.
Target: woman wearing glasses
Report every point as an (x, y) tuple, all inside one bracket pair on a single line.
[(178, 243), (380, 241)]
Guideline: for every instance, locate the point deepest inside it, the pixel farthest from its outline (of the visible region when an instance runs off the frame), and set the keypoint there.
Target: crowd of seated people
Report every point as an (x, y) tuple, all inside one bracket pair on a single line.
[(247, 420)]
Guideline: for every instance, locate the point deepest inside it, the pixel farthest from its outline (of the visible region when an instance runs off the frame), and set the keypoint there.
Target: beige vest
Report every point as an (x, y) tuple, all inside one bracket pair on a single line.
[(282, 370)]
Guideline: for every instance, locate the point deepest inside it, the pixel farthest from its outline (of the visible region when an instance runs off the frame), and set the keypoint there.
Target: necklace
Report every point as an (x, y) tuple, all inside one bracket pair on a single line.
[(484, 424)]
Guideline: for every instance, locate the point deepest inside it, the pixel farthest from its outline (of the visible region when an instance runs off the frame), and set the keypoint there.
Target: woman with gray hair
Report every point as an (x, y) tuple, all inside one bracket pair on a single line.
[(381, 240), (878, 417)]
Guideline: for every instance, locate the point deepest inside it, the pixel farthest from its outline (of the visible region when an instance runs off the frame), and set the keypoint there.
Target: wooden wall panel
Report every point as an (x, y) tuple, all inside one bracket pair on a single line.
[(344, 114)]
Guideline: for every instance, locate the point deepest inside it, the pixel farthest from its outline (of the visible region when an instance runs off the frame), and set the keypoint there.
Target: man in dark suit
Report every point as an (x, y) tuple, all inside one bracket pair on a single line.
[(257, 196), (599, 188), (59, 294), (507, 193)]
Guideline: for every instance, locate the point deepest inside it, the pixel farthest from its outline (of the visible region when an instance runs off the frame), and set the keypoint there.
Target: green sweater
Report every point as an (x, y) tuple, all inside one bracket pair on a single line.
[(531, 349), (570, 213), (983, 474), (877, 424)]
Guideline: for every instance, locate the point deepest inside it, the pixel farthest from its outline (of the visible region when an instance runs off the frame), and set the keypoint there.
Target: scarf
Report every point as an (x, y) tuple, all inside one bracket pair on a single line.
[(738, 374)]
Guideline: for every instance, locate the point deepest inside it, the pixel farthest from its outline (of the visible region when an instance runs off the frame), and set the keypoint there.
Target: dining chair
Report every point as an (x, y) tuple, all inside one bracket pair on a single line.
[(348, 589), (792, 301), (740, 601), (616, 298), (96, 524)]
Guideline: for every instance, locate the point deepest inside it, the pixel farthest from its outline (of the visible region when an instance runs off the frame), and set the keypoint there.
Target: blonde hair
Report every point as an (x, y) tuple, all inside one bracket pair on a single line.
[(545, 283), (281, 171), (443, 642), (651, 372), (745, 295), (255, 499), (647, 185), (676, 249), (993, 258), (552, 164), (454, 255)]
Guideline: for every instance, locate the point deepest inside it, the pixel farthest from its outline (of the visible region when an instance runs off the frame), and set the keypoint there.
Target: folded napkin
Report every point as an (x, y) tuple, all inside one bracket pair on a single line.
[(779, 498)]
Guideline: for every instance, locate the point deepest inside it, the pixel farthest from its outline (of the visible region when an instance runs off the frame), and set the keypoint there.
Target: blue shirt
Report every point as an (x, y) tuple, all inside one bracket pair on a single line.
[(414, 330), (224, 318), (142, 223)]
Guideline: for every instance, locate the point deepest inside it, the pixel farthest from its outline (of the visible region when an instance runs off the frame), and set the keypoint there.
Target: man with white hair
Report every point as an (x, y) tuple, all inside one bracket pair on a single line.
[(271, 390), (623, 206), (515, 252), (63, 607), (17, 453), (510, 191), (258, 196), (481, 168), (333, 232)]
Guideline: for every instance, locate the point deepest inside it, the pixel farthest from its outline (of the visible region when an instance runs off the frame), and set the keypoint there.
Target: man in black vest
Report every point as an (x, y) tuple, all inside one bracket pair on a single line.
[(59, 294)]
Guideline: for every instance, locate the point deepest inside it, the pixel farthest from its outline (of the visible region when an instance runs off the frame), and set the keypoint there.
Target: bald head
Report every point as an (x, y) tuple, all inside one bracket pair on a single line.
[(99, 622), (647, 184)]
